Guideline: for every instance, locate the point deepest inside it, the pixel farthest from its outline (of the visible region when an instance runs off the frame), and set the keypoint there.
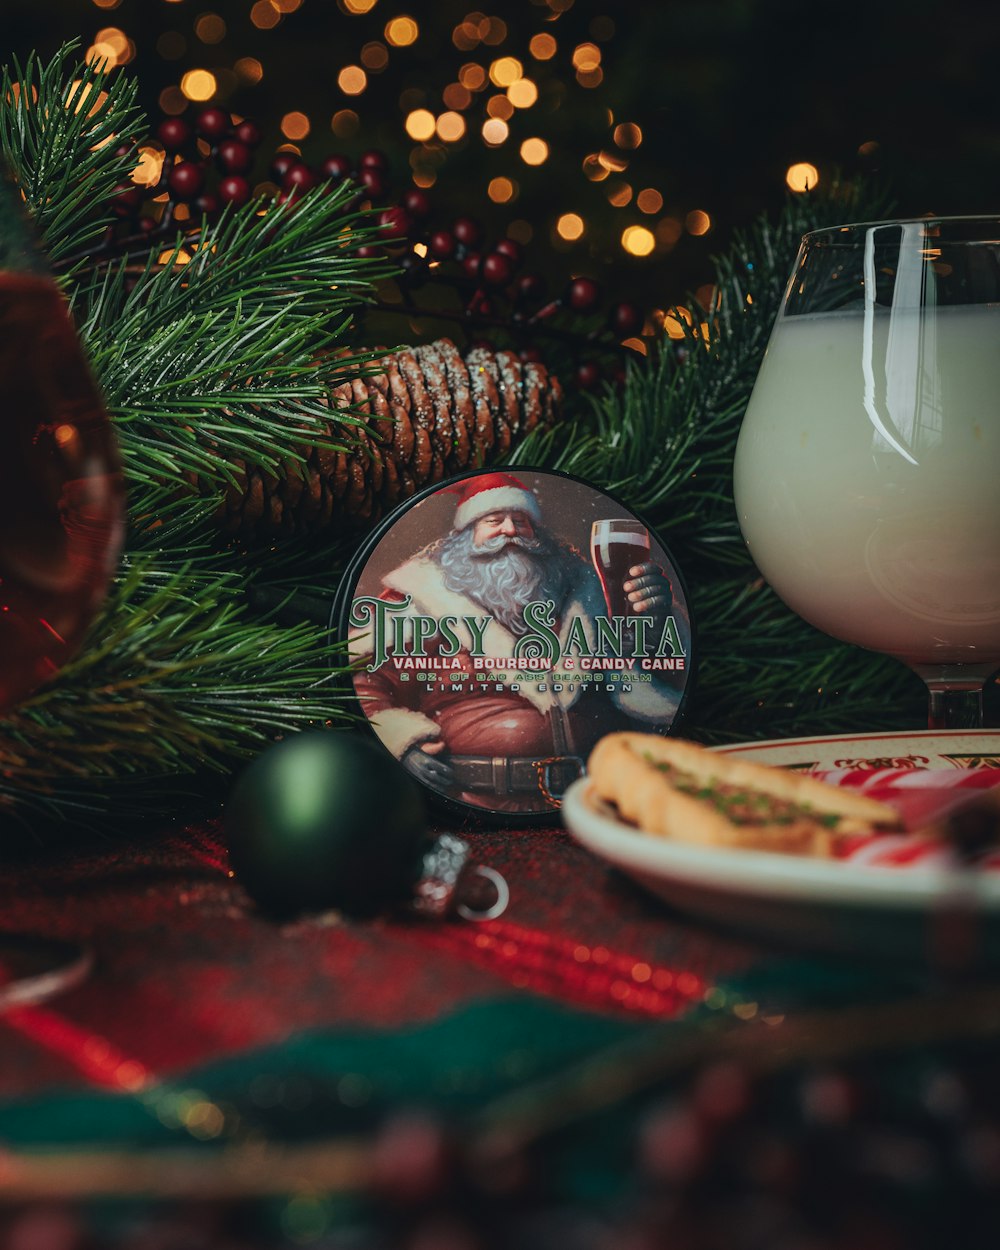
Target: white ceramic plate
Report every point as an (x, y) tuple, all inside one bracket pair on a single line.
[(831, 904)]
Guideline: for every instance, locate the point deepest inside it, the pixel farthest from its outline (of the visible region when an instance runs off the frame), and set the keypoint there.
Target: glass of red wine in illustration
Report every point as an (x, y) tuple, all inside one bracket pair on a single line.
[(61, 523)]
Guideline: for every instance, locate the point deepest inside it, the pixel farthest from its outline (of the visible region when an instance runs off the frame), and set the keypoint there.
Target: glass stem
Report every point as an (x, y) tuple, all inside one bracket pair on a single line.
[(956, 695)]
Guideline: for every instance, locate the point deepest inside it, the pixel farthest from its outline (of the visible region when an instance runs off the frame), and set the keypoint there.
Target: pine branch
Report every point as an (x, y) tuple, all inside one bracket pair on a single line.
[(170, 683), (60, 130), (238, 345)]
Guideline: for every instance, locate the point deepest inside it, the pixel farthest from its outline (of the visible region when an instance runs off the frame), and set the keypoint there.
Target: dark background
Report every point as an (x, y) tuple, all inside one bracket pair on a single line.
[(728, 94)]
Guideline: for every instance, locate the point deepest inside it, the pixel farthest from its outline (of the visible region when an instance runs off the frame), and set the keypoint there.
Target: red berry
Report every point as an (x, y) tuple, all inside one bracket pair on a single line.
[(510, 248), (369, 249), (248, 133), (213, 123), (234, 157), (472, 264), (373, 181), (282, 163), (417, 203), (374, 160), (583, 294), (467, 231), (234, 190), (147, 224), (395, 222), (530, 286), (588, 375), (299, 178), (173, 133), (207, 205), (336, 167), (442, 245), (127, 199), (497, 269), (626, 319), (185, 180)]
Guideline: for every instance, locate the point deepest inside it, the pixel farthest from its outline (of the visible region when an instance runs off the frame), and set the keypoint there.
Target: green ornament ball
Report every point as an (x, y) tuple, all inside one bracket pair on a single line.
[(326, 820)]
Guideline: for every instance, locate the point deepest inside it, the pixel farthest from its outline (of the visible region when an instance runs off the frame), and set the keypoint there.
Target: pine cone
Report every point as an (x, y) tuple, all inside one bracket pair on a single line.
[(429, 414)]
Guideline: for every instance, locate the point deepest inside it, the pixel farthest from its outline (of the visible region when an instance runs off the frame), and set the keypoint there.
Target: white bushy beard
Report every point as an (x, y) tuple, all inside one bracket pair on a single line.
[(504, 574)]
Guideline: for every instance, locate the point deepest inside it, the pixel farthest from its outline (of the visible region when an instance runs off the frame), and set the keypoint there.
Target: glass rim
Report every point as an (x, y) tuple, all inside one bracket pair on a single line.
[(826, 236)]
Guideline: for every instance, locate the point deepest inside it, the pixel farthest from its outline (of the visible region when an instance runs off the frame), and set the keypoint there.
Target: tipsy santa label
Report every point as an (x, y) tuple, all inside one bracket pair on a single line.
[(501, 623)]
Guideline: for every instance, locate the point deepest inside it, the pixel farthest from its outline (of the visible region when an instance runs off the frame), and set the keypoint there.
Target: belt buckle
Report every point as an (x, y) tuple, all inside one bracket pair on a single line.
[(545, 768)]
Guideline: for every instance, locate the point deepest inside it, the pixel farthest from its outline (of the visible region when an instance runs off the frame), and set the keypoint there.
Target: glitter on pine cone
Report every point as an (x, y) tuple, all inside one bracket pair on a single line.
[(426, 414)]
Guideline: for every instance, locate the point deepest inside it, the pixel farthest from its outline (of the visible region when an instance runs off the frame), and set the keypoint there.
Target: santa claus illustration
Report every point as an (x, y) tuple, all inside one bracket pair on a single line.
[(517, 743)]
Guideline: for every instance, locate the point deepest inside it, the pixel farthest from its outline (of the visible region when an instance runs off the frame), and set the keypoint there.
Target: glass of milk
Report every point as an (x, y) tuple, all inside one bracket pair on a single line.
[(867, 473)]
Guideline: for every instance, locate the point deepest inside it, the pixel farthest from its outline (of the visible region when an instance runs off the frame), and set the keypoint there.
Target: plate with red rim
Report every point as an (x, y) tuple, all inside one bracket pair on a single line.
[(831, 904), (920, 749)]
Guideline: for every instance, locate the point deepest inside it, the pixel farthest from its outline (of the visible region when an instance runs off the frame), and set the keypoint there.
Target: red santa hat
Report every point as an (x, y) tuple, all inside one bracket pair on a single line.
[(493, 492)]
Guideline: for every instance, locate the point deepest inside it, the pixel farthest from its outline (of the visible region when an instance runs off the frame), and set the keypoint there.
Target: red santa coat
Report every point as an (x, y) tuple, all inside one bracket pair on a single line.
[(513, 719)]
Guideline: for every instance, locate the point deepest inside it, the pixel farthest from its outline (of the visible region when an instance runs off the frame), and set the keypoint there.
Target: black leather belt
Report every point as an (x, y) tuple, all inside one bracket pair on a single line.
[(550, 775)]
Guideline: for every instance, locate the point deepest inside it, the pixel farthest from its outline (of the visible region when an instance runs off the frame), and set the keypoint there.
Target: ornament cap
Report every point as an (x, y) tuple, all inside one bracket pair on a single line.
[(446, 869)]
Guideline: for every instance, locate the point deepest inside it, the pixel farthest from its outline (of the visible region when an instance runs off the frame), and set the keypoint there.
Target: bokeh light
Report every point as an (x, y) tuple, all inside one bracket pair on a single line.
[(506, 70), (801, 177), (352, 80), (210, 28), (295, 126), (542, 47), (401, 32), (420, 125), (523, 93), (649, 200), (450, 127), (199, 85), (637, 240), (501, 190), (570, 226), (495, 132), (698, 222), (534, 151)]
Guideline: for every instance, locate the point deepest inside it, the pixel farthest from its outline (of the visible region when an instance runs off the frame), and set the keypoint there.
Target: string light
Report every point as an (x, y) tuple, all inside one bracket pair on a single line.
[(627, 135), (295, 126), (456, 96), (264, 15), (495, 132), (506, 70), (147, 172), (401, 32), (107, 4), (420, 125), (586, 57), (345, 123), (499, 106), (534, 151), (649, 200), (199, 85), (801, 177), (172, 101), (523, 93), (570, 226), (637, 240), (249, 69), (698, 222), (352, 80), (375, 56), (450, 127), (619, 194), (210, 28), (359, 6), (542, 47), (473, 76), (501, 190)]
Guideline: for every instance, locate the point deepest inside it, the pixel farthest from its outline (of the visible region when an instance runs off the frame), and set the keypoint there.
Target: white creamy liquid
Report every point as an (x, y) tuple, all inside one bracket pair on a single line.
[(867, 478)]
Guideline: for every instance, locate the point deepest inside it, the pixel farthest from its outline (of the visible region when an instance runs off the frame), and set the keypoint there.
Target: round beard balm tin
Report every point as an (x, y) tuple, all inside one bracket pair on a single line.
[(499, 624)]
